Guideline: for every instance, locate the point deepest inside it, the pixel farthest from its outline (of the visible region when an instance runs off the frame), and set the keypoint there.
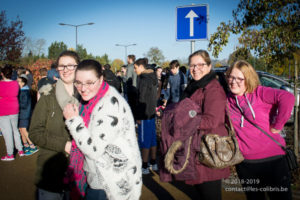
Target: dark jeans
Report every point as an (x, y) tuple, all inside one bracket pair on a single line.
[(46, 195), (271, 177), (93, 194), (210, 190)]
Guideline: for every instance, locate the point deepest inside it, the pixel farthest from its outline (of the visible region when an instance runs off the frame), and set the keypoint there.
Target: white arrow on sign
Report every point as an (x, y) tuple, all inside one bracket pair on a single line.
[(191, 15)]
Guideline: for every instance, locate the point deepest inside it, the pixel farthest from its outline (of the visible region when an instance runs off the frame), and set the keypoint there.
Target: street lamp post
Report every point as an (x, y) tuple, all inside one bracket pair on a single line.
[(76, 26), (125, 46)]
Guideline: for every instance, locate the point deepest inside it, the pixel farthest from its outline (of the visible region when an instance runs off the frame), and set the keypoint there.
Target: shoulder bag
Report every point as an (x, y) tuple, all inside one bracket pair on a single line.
[(220, 151)]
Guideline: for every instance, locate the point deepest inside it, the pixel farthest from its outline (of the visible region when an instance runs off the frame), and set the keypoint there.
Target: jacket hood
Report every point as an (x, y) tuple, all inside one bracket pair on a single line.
[(46, 89), (149, 75)]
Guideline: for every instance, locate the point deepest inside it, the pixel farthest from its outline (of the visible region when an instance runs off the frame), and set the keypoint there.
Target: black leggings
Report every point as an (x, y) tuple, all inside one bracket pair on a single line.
[(271, 177), (210, 190)]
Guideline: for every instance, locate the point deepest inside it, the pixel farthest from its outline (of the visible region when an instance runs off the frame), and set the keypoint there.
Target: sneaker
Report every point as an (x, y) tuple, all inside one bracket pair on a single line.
[(21, 153), (153, 167), (145, 171), (34, 150), (26, 149), (27, 153), (8, 158), (31, 151)]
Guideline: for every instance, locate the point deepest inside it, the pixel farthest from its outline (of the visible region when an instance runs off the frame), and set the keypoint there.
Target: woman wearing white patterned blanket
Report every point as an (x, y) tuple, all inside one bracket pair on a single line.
[(103, 128)]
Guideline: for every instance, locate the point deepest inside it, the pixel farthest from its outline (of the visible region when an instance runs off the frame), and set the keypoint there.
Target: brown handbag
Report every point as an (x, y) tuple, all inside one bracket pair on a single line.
[(220, 151)]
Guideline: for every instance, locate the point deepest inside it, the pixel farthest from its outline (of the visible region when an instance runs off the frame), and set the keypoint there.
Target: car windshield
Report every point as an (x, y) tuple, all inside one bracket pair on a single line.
[(269, 82)]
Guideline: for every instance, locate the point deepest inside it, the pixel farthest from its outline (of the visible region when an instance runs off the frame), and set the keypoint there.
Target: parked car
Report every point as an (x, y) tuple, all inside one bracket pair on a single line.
[(266, 79)]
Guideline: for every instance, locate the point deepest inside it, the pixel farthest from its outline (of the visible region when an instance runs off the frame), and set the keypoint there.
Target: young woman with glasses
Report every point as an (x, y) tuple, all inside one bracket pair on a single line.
[(207, 92), (103, 129), (49, 132), (264, 168)]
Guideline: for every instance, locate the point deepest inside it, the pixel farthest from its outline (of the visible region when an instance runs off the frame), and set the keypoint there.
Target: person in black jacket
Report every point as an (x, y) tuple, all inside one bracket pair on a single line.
[(145, 113), (111, 78)]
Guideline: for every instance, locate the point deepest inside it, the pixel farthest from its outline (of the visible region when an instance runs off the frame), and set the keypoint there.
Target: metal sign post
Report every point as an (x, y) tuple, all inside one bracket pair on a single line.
[(192, 46)]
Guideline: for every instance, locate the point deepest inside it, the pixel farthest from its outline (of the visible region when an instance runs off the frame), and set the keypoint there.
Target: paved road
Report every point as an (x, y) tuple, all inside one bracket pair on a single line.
[(17, 183)]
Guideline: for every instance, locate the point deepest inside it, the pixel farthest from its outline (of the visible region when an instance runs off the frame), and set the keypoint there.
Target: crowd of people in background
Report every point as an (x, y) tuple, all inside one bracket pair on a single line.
[(96, 130)]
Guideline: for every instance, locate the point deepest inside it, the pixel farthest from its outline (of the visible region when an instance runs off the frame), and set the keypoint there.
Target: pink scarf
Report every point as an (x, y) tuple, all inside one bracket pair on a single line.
[(76, 157), (87, 108)]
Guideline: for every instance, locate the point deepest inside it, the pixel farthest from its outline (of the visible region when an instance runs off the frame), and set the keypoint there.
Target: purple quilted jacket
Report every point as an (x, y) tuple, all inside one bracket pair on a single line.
[(177, 124)]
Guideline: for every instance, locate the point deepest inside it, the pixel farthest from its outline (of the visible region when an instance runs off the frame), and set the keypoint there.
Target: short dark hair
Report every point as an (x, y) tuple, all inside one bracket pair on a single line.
[(24, 80), (158, 67), (53, 66), (7, 71), (174, 63), (43, 71), (141, 61), (124, 66), (132, 57), (107, 66), (147, 61), (90, 64), (69, 53), (21, 70)]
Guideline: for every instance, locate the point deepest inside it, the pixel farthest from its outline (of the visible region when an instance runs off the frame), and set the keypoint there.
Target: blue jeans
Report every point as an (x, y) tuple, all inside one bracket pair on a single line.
[(95, 194)]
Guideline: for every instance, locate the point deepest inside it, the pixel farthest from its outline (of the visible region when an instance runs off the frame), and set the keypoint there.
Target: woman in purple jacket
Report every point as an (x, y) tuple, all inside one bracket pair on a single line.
[(206, 91), (264, 168)]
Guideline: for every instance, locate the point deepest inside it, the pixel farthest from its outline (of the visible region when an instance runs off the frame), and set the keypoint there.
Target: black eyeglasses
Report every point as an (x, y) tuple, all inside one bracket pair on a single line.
[(63, 67), (237, 79)]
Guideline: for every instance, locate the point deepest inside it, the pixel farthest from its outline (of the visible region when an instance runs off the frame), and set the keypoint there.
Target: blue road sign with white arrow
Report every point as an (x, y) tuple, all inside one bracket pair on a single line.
[(192, 22)]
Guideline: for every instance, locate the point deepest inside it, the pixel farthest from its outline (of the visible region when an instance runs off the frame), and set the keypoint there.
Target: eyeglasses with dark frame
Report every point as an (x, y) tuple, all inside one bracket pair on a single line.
[(237, 79), (63, 67), (199, 65), (78, 84)]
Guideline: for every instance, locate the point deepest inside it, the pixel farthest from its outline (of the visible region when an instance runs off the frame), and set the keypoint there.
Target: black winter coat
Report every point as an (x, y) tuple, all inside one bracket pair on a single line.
[(147, 91), (112, 79)]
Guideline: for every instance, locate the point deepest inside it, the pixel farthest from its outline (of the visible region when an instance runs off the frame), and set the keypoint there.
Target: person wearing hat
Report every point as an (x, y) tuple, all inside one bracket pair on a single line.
[(25, 114)]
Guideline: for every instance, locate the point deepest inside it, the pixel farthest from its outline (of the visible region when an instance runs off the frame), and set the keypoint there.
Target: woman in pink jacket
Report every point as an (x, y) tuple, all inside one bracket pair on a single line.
[(264, 168), (9, 111)]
